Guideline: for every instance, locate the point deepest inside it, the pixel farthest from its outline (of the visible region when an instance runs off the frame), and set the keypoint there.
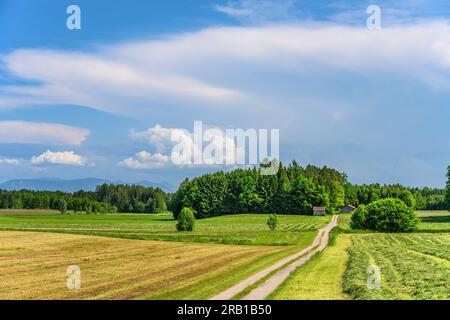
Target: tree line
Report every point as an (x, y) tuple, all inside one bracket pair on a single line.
[(107, 198), (418, 198), (447, 189), (430, 198), (135, 198), (293, 190)]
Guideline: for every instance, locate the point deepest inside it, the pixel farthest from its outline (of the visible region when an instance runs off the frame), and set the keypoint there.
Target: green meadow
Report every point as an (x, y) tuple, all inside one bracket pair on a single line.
[(247, 229)]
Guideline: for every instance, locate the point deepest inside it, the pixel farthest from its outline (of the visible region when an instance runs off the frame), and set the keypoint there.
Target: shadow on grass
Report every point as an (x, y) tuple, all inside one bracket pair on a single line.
[(438, 219)]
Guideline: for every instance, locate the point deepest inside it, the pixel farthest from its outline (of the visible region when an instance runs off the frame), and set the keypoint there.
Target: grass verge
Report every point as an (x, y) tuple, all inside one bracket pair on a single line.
[(321, 277)]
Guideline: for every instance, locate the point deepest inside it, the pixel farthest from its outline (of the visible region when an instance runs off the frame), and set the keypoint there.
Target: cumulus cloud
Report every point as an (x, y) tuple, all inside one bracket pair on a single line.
[(9, 161), (41, 133), (63, 158), (145, 160), (159, 137), (203, 146)]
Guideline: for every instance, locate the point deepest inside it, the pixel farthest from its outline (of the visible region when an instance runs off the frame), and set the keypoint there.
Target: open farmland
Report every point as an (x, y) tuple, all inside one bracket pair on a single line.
[(34, 263), (221, 252), (248, 229), (413, 265), (34, 267)]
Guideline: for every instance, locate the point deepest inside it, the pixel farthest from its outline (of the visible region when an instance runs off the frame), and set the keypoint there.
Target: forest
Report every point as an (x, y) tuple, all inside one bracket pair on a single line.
[(293, 190), (107, 198)]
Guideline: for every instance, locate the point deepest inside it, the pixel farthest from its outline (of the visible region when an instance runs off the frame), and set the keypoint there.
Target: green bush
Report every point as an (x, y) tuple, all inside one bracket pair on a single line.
[(386, 215), (359, 217), (186, 220), (272, 222)]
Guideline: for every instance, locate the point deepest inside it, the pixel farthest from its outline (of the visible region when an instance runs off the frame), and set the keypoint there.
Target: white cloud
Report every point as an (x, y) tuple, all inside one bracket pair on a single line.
[(145, 160), (183, 146), (259, 11), (41, 133), (157, 136), (64, 158), (101, 81), (9, 161), (224, 68), (234, 12)]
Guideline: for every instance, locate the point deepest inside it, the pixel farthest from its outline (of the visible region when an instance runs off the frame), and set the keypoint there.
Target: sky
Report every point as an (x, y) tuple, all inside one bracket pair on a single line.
[(103, 101)]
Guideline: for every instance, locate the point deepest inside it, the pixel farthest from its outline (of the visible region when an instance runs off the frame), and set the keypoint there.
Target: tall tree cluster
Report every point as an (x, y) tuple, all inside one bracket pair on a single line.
[(293, 189)]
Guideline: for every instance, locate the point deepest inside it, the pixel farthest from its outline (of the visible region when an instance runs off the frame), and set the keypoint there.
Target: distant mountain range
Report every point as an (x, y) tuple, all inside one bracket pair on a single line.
[(88, 184)]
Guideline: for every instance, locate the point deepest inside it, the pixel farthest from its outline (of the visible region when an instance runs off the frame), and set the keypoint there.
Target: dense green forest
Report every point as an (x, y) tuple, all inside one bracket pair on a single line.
[(134, 198), (106, 199), (419, 198), (294, 190)]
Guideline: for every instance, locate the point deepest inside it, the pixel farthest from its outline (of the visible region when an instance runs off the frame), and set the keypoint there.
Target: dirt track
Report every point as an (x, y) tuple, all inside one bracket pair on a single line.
[(287, 265)]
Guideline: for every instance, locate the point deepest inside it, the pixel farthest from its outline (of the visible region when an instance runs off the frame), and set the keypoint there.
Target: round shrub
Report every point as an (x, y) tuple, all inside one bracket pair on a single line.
[(186, 220), (386, 215), (272, 222)]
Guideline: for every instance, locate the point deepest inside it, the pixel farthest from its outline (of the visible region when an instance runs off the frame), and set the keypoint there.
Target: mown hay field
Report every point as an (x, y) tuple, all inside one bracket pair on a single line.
[(412, 266), (34, 266)]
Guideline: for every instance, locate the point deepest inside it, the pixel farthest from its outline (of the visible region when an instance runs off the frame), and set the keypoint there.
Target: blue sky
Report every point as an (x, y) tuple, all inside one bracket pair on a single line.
[(102, 101)]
